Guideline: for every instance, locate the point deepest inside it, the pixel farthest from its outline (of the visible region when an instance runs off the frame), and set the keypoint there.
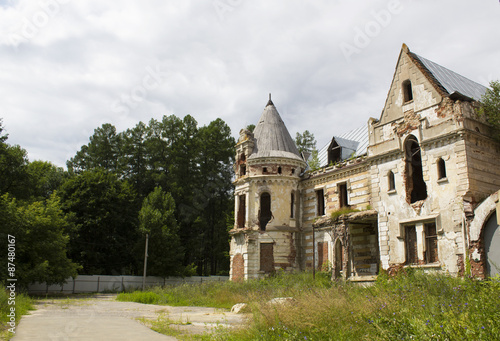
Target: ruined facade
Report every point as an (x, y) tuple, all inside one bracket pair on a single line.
[(417, 187)]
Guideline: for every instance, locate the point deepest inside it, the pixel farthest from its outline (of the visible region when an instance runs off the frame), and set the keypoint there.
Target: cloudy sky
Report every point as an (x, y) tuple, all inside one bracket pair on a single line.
[(67, 66)]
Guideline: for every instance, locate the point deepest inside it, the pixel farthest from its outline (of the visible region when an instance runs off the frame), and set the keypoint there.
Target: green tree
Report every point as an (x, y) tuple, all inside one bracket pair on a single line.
[(13, 171), (490, 107), (102, 151), (104, 209), (157, 218), (134, 157), (305, 141), (44, 178), (40, 230), (214, 196), (314, 161)]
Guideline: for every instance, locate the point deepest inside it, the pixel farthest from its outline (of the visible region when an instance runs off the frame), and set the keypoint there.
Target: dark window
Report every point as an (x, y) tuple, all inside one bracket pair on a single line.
[(407, 91), (265, 213), (241, 211), (343, 198), (266, 257), (416, 188), (391, 184), (441, 166), (320, 201), (243, 170), (431, 244), (264, 169), (293, 170), (243, 157), (279, 170), (334, 152), (411, 244), (292, 206)]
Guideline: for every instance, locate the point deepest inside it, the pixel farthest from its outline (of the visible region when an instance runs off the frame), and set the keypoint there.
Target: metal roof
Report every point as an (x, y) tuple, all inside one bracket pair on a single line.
[(353, 143), (272, 139), (451, 81)]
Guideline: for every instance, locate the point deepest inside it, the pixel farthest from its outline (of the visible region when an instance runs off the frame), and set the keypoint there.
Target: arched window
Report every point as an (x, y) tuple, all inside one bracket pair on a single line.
[(391, 184), (441, 167), (407, 91), (416, 189), (265, 213)]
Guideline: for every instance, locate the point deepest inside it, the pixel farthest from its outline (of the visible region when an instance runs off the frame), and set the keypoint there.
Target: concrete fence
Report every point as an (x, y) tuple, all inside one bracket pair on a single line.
[(98, 283)]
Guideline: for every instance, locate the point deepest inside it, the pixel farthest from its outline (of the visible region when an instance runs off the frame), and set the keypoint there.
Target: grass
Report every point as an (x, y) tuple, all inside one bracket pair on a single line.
[(412, 306), (23, 304)]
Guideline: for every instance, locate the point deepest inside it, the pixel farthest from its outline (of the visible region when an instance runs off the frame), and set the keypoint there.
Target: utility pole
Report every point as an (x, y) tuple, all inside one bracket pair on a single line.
[(145, 263)]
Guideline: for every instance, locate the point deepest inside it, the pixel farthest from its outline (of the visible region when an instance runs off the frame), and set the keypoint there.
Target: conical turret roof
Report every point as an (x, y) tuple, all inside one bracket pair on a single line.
[(272, 139)]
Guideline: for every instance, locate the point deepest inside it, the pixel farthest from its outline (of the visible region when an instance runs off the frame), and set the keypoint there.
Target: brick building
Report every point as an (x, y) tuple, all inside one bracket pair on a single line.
[(417, 187)]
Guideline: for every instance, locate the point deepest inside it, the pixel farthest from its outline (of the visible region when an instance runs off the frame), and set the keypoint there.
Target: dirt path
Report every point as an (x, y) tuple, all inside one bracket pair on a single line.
[(101, 317)]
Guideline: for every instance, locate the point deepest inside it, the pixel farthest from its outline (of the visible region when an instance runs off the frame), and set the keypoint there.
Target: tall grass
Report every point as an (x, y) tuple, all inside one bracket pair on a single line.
[(23, 304), (411, 306)]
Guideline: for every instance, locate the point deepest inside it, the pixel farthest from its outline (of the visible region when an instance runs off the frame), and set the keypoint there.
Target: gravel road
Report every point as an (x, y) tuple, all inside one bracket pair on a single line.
[(101, 317)]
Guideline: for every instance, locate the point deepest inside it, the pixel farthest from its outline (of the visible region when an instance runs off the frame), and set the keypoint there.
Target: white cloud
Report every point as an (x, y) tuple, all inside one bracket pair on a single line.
[(71, 74)]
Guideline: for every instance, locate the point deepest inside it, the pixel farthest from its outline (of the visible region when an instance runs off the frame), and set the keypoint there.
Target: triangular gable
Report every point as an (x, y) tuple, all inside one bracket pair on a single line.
[(428, 82), (422, 83)]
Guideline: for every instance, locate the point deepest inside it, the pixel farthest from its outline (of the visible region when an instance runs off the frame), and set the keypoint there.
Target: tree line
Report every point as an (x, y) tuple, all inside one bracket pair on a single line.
[(170, 179)]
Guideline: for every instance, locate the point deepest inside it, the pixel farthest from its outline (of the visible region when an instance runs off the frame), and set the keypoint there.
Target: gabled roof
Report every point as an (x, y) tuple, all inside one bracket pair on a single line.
[(272, 139), (450, 81), (353, 143)]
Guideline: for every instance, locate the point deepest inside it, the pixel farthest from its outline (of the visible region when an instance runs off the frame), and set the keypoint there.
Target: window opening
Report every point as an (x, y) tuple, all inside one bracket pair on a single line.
[(391, 183), (243, 170), (320, 201), (265, 213), (241, 211), (407, 90), (292, 206), (264, 169), (334, 152), (431, 243), (243, 157), (411, 244), (416, 188), (441, 166), (293, 170), (343, 197), (279, 170)]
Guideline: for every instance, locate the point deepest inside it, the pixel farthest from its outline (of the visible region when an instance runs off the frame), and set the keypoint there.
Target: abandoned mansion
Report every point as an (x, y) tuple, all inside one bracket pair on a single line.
[(417, 187)]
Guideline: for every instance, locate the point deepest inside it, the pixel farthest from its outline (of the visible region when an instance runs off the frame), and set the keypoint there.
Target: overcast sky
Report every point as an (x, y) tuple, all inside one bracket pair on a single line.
[(67, 66)]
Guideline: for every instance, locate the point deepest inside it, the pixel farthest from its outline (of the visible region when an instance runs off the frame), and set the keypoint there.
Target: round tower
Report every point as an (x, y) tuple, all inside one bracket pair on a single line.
[(268, 167)]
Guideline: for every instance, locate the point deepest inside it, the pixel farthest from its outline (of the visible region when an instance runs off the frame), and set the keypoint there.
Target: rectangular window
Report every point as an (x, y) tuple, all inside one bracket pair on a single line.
[(343, 198), (320, 202), (292, 206), (431, 244), (421, 243), (411, 244), (241, 211)]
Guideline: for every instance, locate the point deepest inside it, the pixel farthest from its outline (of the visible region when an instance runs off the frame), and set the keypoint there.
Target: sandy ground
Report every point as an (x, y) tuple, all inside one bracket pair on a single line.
[(101, 317)]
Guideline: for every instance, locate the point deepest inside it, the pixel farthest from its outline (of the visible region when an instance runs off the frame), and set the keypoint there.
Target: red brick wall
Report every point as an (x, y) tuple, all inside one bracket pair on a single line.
[(322, 254), (238, 268)]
